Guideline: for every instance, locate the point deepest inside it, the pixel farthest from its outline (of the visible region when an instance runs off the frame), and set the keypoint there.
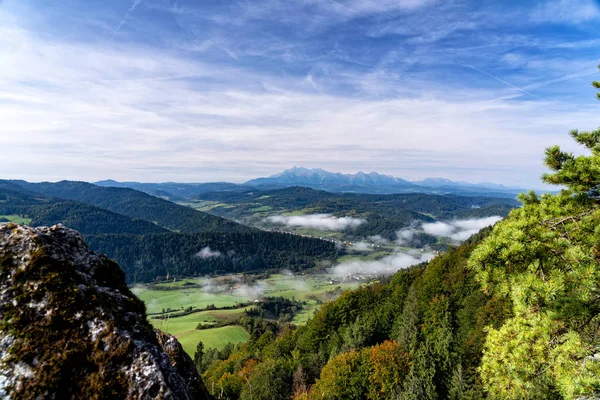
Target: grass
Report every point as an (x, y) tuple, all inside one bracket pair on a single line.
[(157, 300), (17, 219), (184, 329), (260, 209), (176, 326), (302, 288), (206, 205), (212, 338)]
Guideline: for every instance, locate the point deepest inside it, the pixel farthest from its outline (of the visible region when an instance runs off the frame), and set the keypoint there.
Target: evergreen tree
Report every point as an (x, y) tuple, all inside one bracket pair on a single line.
[(545, 258)]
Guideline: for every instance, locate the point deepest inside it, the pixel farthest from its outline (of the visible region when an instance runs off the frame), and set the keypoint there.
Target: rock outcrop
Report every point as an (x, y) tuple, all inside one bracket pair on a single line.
[(70, 328)]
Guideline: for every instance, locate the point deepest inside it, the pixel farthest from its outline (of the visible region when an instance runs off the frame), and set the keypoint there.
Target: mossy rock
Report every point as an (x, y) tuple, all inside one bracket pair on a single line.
[(70, 328)]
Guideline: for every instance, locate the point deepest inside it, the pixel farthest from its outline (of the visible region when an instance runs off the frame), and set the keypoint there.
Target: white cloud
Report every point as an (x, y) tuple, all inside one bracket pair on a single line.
[(361, 246), (177, 118), (324, 222), (208, 253), (385, 266), (378, 239), (404, 236), (459, 230), (566, 11)]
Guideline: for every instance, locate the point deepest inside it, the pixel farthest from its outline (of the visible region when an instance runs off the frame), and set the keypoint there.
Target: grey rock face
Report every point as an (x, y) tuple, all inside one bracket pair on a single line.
[(70, 328)]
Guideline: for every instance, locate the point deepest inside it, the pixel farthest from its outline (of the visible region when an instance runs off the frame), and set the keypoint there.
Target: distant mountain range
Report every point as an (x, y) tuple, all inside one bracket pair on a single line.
[(372, 183)]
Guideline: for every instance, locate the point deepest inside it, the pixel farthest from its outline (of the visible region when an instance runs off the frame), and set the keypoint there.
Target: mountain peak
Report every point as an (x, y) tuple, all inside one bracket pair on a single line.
[(373, 182)]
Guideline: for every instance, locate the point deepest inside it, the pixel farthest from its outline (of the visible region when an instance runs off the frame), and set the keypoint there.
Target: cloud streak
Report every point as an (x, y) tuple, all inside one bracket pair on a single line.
[(124, 20), (323, 222), (459, 230), (384, 266)]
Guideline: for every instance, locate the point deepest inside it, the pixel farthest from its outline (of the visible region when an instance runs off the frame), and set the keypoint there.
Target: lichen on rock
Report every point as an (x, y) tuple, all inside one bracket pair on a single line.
[(70, 328)]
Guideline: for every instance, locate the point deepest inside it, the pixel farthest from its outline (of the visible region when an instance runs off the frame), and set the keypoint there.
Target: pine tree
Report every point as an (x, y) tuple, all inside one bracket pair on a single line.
[(545, 258)]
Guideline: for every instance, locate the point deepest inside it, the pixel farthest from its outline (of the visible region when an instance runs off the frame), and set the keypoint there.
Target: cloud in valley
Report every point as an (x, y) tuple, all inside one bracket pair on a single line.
[(459, 230), (361, 246), (404, 236), (378, 239), (323, 222), (208, 253), (385, 266)]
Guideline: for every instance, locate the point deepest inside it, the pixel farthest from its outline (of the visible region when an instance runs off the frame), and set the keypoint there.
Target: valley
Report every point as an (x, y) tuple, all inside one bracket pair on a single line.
[(205, 267), (223, 300)]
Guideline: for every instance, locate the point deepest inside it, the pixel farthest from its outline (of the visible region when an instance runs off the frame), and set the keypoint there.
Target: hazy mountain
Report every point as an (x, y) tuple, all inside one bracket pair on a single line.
[(374, 182), (175, 191), (317, 178), (442, 182), (299, 176)]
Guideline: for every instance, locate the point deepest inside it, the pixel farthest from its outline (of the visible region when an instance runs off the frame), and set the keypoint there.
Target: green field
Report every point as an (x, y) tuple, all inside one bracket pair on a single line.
[(17, 219), (184, 329), (157, 300), (309, 288), (212, 338)]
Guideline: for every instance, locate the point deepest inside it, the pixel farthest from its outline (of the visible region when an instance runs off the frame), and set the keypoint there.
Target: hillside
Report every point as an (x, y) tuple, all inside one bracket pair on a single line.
[(135, 204), (175, 191), (383, 215), (147, 251), (419, 334)]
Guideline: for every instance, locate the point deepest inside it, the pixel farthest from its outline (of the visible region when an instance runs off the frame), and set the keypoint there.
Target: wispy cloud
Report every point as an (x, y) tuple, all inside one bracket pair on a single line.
[(384, 266), (215, 91), (459, 230), (124, 20), (323, 222), (206, 253), (567, 11)]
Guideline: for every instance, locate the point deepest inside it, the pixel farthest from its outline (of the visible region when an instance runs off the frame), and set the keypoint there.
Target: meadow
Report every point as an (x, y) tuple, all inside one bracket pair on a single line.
[(313, 289), (17, 219)]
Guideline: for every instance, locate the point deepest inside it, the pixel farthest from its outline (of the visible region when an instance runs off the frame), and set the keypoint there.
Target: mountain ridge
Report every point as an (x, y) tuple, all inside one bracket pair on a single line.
[(374, 182)]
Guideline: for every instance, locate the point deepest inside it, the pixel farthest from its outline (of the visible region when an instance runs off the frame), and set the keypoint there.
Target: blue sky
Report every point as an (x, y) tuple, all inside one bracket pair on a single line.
[(182, 90)]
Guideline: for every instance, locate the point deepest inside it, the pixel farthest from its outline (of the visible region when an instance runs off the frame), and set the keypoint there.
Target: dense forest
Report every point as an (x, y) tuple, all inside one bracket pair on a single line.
[(513, 313), (145, 258)]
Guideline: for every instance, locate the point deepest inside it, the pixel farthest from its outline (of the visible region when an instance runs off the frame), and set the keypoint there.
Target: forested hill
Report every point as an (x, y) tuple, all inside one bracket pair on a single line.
[(135, 204), (384, 215), (148, 251), (418, 335), (439, 206)]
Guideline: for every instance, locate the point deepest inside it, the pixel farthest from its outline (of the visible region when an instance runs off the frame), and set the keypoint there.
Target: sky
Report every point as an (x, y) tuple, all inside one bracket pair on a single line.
[(203, 90)]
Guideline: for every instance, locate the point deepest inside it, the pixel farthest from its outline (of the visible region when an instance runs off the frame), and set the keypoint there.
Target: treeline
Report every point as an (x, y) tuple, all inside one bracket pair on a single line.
[(280, 308), (134, 204), (89, 219)]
